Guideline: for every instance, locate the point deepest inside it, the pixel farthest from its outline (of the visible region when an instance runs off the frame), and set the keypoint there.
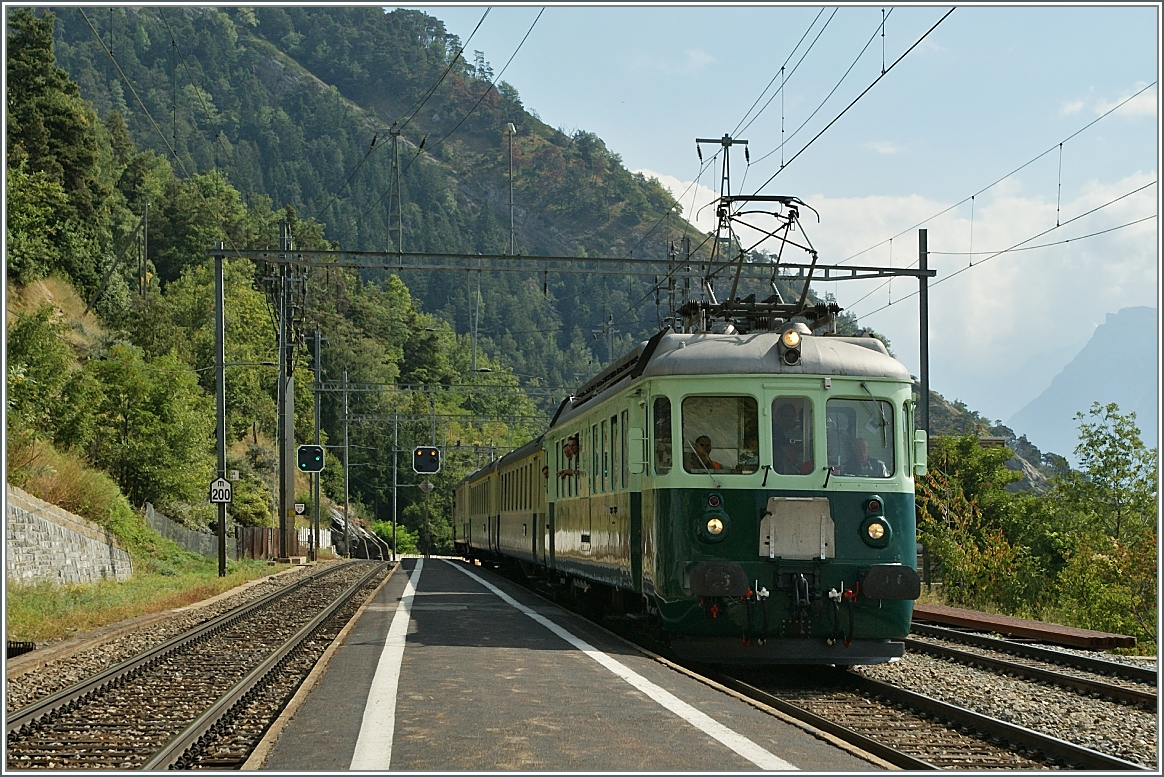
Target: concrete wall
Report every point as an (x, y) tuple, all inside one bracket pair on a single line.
[(44, 542), (201, 542)]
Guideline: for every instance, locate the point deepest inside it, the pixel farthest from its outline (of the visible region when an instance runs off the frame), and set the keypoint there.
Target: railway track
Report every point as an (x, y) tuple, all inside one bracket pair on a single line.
[(914, 731), (1085, 674), (199, 700)]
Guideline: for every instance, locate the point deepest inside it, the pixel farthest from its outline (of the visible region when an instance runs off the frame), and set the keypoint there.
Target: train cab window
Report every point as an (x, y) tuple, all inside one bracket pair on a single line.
[(860, 437), (661, 425), (792, 444), (720, 435)]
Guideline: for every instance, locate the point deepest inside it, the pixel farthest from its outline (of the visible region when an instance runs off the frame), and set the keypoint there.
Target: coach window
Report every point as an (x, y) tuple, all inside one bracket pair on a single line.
[(720, 435), (616, 454), (595, 456), (860, 437), (605, 475), (661, 425)]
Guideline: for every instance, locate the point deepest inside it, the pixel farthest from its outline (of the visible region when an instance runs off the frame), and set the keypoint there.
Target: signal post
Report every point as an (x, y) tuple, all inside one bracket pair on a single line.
[(426, 460)]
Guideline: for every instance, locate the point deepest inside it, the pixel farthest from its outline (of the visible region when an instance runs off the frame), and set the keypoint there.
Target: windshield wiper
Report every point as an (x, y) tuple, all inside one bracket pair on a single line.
[(880, 412), (706, 468)]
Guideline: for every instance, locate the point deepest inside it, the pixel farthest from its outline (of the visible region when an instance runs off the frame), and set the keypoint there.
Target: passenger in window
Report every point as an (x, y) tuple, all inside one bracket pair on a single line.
[(786, 425), (789, 460), (699, 458), (860, 463), (571, 451)]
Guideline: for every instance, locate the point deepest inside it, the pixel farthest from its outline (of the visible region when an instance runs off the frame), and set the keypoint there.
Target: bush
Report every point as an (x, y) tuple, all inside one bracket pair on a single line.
[(1108, 585), (63, 479), (409, 542)]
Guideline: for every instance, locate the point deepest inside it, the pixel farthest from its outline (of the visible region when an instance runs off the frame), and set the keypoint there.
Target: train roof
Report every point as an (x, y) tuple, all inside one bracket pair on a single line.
[(670, 354), (517, 453)]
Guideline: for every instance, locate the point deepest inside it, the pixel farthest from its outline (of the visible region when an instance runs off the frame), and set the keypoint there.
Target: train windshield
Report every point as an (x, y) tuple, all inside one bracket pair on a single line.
[(720, 435), (792, 448), (860, 437)]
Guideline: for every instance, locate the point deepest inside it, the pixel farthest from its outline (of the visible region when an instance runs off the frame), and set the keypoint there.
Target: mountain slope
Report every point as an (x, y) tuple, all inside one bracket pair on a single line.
[(1119, 364)]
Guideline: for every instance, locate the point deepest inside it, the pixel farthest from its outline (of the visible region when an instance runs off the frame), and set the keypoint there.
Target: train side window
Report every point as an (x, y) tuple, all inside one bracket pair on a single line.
[(721, 434), (622, 449), (594, 452), (604, 476), (861, 437), (616, 454), (661, 425)]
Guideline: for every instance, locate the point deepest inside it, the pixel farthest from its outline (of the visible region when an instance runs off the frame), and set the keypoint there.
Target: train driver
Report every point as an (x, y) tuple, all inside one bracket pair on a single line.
[(861, 464)]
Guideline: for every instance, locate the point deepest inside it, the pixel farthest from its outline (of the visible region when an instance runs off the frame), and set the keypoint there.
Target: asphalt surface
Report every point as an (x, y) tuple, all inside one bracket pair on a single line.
[(486, 686)]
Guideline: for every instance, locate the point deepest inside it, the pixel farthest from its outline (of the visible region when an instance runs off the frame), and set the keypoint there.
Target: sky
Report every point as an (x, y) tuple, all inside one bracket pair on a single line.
[(988, 130)]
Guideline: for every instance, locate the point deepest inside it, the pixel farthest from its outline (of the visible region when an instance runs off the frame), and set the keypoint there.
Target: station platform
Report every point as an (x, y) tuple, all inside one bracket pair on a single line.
[(451, 667)]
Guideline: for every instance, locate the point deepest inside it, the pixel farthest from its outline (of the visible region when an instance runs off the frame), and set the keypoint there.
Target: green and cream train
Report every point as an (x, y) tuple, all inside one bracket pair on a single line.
[(751, 494)]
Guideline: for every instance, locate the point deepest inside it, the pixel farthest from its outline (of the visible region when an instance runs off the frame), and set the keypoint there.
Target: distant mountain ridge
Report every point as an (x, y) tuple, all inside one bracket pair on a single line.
[(1119, 364)]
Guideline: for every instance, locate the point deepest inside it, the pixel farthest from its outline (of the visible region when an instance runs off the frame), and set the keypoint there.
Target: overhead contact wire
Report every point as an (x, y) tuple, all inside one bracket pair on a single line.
[(855, 100), (1021, 167), (775, 75)]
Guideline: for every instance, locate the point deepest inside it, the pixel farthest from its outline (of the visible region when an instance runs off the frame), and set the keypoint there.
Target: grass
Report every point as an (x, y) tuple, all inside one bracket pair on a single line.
[(44, 612)]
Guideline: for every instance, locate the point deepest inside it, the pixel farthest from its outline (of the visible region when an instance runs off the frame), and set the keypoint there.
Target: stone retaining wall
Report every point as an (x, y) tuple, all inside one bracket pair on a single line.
[(44, 542)]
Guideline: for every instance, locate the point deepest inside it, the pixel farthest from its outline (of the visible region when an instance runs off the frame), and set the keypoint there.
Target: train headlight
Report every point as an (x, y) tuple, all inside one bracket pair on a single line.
[(713, 526), (791, 338), (875, 531)]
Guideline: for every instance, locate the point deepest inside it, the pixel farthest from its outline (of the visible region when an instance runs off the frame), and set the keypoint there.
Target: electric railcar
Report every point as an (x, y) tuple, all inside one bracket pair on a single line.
[(752, 494)]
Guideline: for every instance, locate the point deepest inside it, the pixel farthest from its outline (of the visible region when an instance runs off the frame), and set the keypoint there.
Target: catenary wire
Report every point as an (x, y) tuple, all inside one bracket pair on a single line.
[(410, 114), (855, 101), (124, 78), (484, 94), (837, 86), (738, 129), (796, 67), (1021, 167)]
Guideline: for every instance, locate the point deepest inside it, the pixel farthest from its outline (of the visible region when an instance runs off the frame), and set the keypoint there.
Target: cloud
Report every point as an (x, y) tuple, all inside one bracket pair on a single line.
[(885, 146), (696, 199), (692, 61), (1143, 105), (990, 322)]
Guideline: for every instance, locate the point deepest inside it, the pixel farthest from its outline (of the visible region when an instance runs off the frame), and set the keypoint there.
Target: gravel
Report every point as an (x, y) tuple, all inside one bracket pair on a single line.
[(71, 669), (1122, 730)]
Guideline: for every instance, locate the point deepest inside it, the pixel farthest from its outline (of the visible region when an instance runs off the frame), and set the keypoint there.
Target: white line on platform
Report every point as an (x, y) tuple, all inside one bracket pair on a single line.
[(374, 744), (702, 721)]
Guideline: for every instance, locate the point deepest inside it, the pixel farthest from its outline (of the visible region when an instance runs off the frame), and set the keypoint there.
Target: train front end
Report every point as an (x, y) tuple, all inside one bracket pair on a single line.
[(778, 499)]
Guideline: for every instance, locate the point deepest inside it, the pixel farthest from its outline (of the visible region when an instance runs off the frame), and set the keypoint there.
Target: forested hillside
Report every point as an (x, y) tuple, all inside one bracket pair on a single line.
[(297, 104), (129, 392)]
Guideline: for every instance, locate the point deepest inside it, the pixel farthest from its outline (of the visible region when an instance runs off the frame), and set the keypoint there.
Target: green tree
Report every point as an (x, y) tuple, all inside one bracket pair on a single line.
[(154, 427), (48, 396), (980, 567), (1108, 579), (1116, 490)]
